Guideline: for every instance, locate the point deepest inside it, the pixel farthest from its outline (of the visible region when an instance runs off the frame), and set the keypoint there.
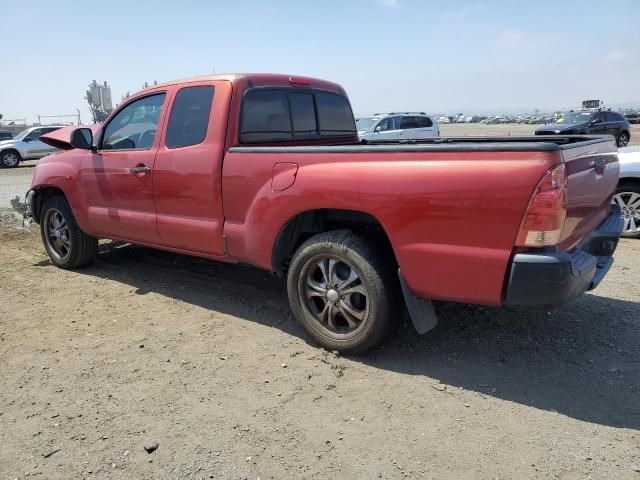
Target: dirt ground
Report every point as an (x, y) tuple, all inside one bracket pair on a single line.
[(206, 360)]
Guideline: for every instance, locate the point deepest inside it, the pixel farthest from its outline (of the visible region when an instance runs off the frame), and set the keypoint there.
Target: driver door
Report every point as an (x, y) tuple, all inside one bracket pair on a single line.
[(117, 182), (388, 128)]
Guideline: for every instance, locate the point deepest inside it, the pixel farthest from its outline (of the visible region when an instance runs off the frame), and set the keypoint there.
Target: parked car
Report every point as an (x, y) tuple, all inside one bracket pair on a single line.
[(590, 122), (269, 171), (26, 145), (5, 135), (628, 192), (633, 117), (407, 126)]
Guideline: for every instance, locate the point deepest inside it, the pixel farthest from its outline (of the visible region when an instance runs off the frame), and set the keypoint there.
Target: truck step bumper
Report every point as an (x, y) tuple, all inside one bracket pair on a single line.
[(548, 280)]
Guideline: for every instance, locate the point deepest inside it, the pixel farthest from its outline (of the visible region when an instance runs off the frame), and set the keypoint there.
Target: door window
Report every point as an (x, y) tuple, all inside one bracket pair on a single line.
[(134, 127), (613, 117), (34, 135), (386, 124), (49, 130), (189, 117)]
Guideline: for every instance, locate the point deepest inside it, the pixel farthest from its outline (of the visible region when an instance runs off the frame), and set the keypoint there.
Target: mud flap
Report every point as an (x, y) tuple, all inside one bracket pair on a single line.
[(421, 311)]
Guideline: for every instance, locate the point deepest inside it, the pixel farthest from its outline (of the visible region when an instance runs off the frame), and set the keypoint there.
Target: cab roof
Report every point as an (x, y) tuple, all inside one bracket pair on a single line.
[(255, 80)]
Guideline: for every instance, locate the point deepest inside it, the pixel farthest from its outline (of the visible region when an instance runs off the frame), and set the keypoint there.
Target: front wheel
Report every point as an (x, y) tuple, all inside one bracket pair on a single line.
[(623, 139), (9, 159), (627, 197), (341, 291), (67, 245)]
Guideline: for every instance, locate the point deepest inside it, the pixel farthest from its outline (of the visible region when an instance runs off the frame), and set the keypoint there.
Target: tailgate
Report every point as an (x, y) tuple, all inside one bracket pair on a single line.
[(593, 171)]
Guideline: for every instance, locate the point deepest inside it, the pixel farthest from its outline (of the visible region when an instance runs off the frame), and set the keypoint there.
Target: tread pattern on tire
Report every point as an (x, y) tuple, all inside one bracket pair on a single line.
[(84, 247)]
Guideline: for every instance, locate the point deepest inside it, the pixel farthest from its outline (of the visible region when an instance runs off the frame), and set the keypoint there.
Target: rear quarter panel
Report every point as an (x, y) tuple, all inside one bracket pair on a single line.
[(452, 217)]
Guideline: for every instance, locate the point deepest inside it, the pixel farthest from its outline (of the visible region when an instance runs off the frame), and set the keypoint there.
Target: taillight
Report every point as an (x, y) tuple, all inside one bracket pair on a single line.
[(544, 219)]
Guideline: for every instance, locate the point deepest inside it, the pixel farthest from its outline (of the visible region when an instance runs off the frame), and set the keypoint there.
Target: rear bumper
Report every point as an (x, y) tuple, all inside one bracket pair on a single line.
[(551, 279)]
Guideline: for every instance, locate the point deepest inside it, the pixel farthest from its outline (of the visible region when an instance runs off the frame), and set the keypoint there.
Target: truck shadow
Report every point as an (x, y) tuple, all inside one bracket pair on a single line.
[(581, 361)]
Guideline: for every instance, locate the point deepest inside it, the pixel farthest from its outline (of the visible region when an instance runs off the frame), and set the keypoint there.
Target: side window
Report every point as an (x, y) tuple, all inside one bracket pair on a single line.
[(335, 115), (385, 125), (613, 117), (598, 118), (189, 118), (35, 134), (49, 130), (408, 122), (423, 122), (134, 127), (303, 114)]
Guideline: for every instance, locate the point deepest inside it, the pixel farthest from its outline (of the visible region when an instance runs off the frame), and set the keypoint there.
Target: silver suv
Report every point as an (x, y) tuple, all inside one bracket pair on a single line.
[(397, 125), (26, 145)]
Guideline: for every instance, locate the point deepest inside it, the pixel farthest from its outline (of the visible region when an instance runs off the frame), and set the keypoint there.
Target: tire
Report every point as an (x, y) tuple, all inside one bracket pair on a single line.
[(357, 315), (627, 197), (10, 159), (623, 139), (67, 245)]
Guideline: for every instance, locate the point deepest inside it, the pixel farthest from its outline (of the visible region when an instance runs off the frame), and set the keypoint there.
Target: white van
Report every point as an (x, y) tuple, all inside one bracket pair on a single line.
[(397, 125)]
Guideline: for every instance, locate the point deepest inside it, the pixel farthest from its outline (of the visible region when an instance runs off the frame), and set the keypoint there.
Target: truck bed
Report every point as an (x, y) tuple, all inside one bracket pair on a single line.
[(451, 206)]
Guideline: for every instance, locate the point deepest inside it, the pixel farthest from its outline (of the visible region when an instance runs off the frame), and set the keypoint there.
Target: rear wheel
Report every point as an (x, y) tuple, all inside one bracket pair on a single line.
[(9, 159), (67, 245), (627, 197), (341, 291), (623, 139)]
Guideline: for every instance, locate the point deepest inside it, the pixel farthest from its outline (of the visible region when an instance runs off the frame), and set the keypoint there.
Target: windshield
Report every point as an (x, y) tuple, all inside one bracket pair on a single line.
[(365, 123), (575, 118), (22, 134)]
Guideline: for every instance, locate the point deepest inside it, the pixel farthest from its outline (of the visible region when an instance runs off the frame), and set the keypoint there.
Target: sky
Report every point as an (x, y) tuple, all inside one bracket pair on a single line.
[(390, 55)]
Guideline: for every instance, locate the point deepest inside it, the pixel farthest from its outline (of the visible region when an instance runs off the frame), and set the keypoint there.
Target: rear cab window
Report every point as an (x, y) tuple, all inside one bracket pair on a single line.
[(284, 114)]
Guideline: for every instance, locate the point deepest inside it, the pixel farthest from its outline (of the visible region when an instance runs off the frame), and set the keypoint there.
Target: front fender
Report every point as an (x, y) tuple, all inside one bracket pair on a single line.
[(54, 173)]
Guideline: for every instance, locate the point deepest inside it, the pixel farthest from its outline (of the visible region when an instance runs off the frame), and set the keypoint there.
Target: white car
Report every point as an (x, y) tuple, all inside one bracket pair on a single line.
[(397, 126), (628, 193), (26, 145)]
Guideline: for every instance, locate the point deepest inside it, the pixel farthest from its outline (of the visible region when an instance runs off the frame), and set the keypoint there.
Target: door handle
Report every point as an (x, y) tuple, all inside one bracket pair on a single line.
[(140, 170)]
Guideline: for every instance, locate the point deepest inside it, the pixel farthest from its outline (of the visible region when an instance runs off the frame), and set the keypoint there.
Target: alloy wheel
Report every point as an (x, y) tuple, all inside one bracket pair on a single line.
[(57, 234), (333, 293), (623, 140), (10, 159), (629, 203)]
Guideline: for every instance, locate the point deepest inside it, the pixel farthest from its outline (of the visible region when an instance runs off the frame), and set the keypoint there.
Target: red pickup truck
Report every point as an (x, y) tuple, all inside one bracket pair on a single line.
[(268, 170)]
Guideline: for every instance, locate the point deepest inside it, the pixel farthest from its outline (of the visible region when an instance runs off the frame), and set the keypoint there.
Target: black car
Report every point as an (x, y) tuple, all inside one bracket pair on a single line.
[(5, 135), (590, 122)]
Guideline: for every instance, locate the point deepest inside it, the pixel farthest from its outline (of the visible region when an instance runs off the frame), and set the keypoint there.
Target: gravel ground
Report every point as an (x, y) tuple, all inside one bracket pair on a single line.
[(204, 359)]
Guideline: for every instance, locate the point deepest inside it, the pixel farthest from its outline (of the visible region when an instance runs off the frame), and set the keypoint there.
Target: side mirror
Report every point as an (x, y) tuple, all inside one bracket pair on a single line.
[(595, 121), (27, 139), (377, 130), (82, 138)]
